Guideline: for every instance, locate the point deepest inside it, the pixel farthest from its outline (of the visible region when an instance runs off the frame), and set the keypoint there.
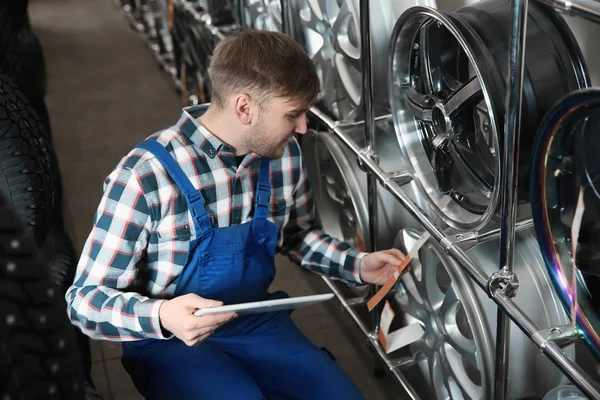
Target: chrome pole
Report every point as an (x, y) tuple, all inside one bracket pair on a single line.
[(550, 349), (367, 96), (510, 168), (587, 9), (367, 93)]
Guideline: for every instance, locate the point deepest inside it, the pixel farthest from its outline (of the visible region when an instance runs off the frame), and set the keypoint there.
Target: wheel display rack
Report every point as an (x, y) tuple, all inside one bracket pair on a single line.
[(500, 286)]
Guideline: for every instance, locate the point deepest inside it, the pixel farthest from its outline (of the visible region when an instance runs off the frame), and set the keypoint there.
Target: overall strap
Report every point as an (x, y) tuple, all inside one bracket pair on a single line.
[(263, 190), (193, 197)]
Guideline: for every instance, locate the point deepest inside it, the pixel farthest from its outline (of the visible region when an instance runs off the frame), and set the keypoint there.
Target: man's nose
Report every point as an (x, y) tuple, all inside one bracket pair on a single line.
[(301, 124)]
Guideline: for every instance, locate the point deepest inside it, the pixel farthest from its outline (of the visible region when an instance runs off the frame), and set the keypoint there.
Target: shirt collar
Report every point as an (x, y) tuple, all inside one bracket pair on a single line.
[(198, 134), (205, 140)]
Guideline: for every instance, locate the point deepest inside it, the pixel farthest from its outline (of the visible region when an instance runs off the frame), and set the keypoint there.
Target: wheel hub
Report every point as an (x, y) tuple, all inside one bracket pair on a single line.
[(442, 123)]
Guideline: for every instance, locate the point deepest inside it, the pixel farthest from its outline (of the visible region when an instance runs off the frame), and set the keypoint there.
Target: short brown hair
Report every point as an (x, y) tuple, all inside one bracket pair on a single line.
[(262, 63)]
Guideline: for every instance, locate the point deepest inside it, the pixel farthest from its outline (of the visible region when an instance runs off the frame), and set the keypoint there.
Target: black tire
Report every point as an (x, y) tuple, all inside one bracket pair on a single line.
[(35, 75), (28, 170), (17, 11), (59, 253), (39, 357), (10, 56), (35, 81)]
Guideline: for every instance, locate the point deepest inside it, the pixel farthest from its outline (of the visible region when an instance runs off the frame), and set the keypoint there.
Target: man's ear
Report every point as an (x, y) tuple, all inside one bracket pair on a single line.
[(242, 108)]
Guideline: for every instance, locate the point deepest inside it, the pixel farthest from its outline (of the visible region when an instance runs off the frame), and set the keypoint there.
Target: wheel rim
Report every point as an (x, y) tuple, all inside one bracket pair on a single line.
[(557, 173), (425, 122), (447, 335), (447, 102), (454, 357), (331, 36), (263, 14), (336, 188)]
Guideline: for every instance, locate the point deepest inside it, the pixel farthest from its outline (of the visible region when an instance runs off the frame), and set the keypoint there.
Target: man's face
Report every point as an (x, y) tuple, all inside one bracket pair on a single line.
[(276, 124)]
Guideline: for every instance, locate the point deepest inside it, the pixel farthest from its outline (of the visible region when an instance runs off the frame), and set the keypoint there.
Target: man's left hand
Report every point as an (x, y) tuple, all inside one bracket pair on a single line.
[(377, 267)]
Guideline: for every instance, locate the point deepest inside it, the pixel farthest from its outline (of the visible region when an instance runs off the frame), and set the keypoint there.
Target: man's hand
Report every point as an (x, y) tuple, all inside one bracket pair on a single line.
[(177, 316), (377, 267)]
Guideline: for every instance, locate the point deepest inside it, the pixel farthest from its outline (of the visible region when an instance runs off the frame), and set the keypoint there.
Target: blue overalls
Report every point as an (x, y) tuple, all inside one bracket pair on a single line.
[(260, 356)]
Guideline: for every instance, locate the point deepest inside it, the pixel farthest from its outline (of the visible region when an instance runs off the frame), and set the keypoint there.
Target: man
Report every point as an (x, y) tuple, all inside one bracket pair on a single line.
[(192, 218)]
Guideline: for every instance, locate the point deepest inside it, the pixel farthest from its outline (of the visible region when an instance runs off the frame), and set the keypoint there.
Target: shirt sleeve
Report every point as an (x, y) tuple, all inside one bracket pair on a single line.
[(306, 244), (99, 301)]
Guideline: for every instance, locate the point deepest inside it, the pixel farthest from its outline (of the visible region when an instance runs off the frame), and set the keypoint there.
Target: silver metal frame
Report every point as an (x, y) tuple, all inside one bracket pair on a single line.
[(502, 285)]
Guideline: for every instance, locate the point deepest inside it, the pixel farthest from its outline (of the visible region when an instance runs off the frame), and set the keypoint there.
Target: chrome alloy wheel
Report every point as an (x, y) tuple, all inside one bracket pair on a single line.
[(443, 108), (336, 188), (447, 91), (330, 32), (565, 160), (455, 355)]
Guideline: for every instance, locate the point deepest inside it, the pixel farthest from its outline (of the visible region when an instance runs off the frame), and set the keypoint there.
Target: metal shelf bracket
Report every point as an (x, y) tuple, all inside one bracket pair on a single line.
[(561, 335), (504, 281)]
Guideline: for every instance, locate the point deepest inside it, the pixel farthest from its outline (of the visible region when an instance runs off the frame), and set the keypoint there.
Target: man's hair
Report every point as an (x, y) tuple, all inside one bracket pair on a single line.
[(263, 64)]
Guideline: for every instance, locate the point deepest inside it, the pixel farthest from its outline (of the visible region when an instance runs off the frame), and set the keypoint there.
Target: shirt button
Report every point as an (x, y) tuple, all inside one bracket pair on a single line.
[(238, 220), (211, 152)]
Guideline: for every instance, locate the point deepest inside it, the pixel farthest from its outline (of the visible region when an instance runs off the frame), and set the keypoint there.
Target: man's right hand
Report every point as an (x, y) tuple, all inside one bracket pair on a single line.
[(177, 316)]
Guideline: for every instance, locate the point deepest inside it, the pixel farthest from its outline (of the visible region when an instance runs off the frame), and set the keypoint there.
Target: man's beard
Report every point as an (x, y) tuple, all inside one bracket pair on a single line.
[(257, 142)]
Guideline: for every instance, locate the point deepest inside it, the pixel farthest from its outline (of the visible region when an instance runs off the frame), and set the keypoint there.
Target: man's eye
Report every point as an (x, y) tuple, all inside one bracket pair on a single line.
[(293, 116)]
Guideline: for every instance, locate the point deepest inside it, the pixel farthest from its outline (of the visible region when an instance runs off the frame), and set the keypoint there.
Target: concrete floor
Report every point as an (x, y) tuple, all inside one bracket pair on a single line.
[(105, 94)]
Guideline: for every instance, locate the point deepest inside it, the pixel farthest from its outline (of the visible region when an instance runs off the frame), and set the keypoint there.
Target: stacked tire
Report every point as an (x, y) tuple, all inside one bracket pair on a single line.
[(41, 354)]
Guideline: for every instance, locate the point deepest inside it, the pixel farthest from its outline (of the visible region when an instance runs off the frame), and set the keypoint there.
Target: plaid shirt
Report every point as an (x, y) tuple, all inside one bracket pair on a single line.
[(139, 240)]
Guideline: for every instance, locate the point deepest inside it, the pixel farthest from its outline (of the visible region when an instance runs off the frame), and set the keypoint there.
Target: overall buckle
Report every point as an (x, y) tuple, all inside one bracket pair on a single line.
[(262, 198)]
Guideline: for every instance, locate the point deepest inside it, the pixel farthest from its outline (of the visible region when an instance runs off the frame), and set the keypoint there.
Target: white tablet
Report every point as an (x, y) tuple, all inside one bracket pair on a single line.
[(267, 305)]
